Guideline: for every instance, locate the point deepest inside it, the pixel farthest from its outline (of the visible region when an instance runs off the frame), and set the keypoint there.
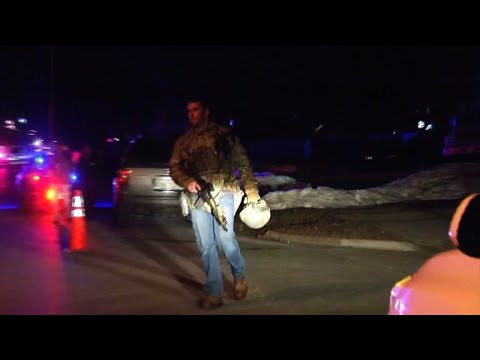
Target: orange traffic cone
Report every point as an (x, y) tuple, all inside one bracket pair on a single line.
[(78, 227)]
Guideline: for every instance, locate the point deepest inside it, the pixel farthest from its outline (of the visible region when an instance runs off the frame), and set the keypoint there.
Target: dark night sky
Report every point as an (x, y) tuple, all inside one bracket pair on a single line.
[(99, 90)]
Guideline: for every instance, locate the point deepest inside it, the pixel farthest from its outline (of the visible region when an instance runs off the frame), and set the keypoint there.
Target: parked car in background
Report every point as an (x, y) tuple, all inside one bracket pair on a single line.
[(35, 182), (17, 148), (34, 185), (143, 184)]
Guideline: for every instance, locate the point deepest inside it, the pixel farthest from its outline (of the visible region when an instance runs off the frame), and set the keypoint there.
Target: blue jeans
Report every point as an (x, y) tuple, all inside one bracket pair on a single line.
[(209, 235)]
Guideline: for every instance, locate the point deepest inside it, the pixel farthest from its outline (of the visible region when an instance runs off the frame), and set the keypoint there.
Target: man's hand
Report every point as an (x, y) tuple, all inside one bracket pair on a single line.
[(193, 187), (253, 198)]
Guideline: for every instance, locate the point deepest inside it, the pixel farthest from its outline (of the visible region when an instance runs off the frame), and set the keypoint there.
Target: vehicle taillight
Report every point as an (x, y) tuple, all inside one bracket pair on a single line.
[(50, 194), (122, 176)]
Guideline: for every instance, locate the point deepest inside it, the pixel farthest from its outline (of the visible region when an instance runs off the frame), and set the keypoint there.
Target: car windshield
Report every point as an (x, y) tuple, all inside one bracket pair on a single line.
[(149, 153)]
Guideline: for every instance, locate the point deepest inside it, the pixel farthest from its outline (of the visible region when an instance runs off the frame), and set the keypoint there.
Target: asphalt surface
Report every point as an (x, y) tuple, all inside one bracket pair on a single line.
[(153, 267)]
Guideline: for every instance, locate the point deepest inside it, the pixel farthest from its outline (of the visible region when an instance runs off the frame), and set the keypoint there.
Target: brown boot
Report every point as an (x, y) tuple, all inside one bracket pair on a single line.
[(210, 302), (240, 288)]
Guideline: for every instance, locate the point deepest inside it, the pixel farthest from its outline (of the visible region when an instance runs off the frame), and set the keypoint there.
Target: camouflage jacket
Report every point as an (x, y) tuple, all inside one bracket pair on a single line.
[(213, 153)]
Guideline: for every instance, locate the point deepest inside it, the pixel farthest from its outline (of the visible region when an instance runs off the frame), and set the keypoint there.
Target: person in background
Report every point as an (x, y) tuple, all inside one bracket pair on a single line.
[(61, 169), (86, 169)]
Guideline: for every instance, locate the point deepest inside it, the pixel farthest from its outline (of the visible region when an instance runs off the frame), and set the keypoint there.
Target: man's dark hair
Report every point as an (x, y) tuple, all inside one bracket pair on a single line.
[(468, 230), (205, 103)]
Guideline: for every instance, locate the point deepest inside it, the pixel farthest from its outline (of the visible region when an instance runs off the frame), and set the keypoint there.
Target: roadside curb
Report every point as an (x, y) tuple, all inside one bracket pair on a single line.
[(340, 242)]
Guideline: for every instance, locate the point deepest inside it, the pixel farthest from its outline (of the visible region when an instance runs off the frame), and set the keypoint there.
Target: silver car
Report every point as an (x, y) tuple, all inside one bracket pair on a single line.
[(143, 183)]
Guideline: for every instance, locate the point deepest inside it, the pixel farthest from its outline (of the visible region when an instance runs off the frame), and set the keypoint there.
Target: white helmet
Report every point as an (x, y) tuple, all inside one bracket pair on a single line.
[(255, 215)]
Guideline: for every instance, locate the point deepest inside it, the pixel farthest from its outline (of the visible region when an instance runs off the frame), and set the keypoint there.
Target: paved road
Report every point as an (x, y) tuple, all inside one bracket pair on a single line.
[(153, 268)]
